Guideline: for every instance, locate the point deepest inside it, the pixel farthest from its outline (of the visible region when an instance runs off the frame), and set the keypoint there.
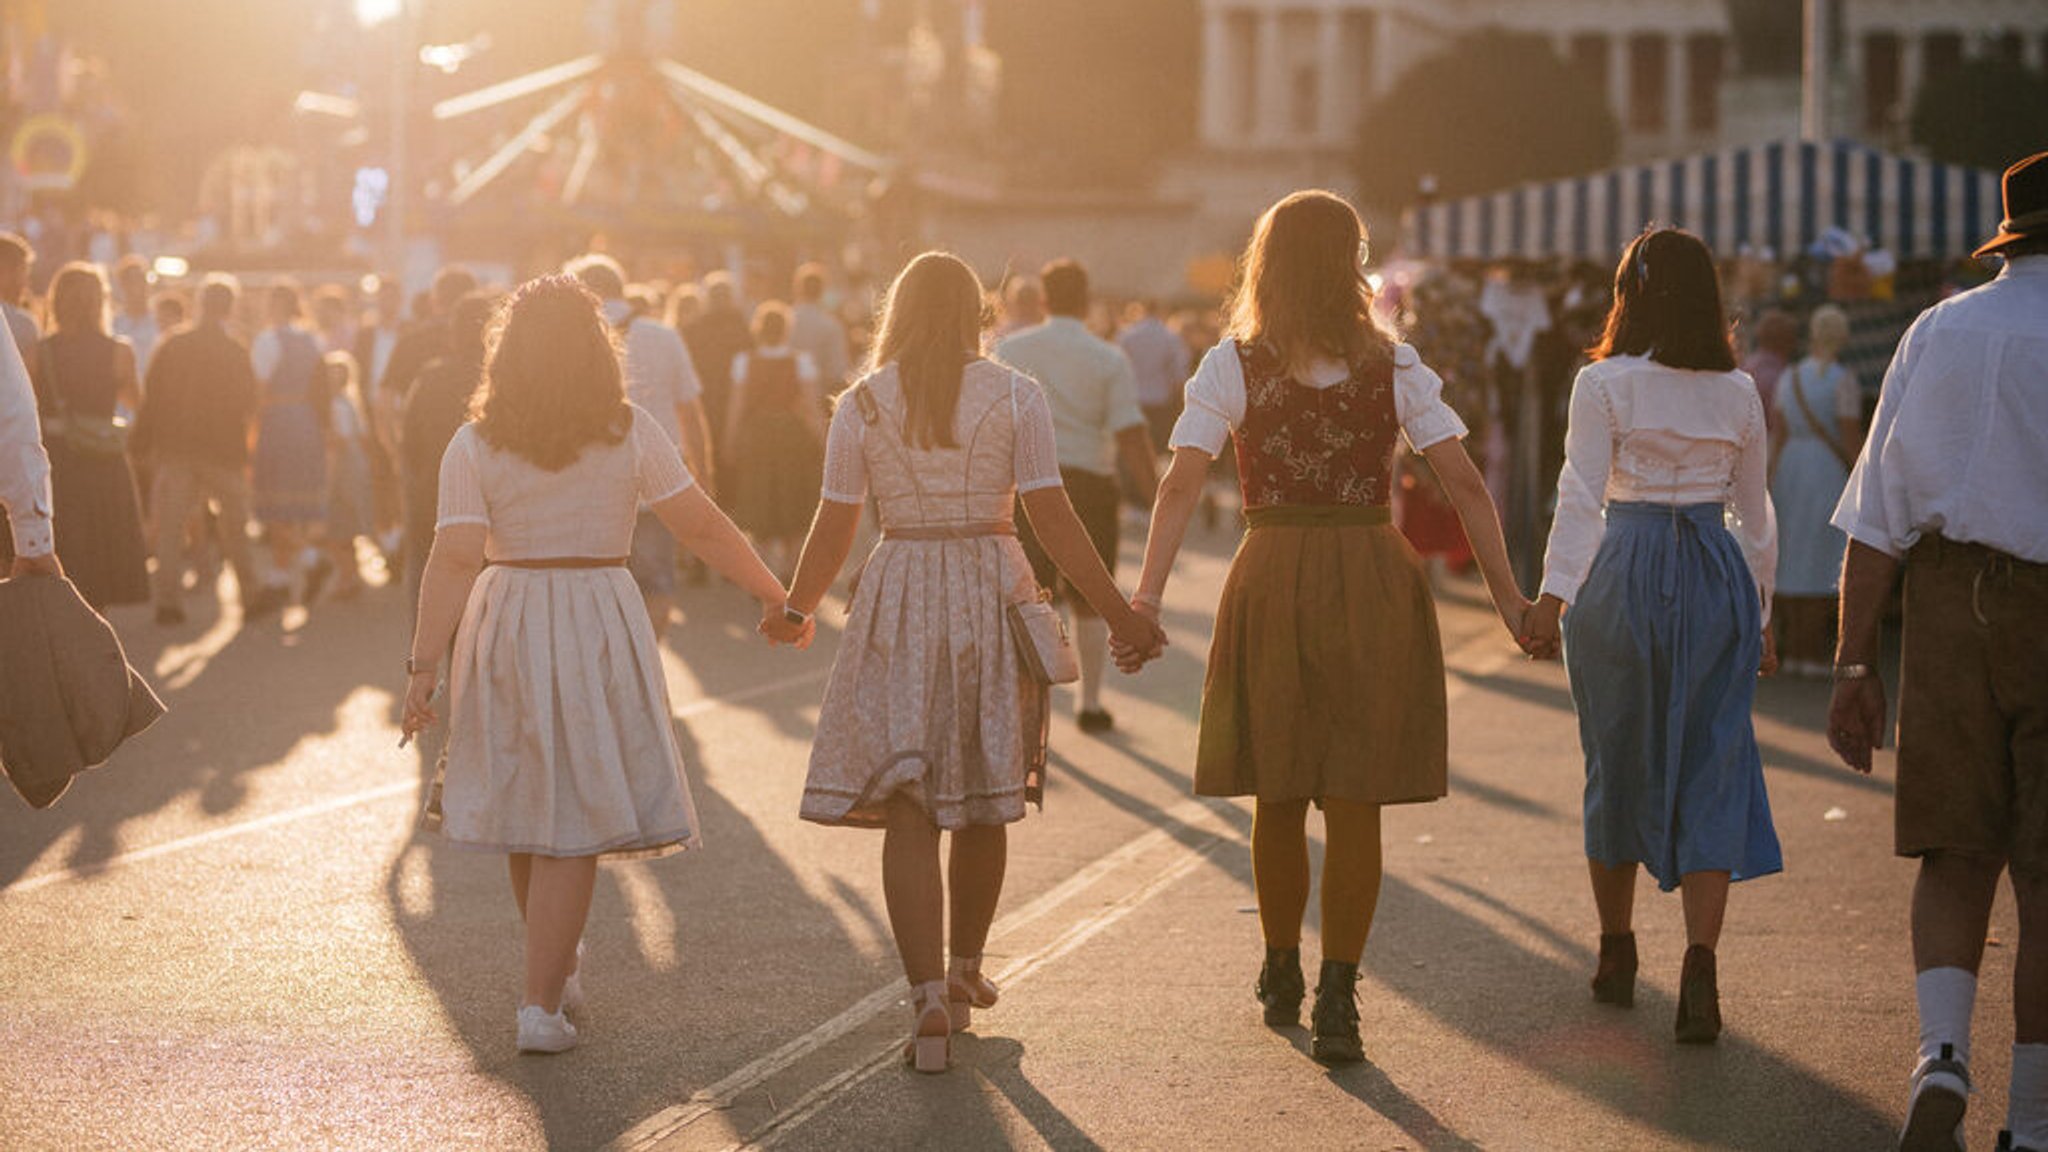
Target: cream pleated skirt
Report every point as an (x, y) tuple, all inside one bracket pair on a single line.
[(560, 741)]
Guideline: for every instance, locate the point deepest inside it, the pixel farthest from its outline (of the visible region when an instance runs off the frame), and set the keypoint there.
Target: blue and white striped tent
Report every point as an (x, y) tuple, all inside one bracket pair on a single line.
[(1782, 196)]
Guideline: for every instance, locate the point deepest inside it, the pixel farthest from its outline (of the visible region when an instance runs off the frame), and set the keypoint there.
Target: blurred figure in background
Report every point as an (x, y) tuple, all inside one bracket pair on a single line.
[(438, 406), (334, 321), (815, 332), (290, 466), (17, 260), (194, 429), (349, 510), (170, 309), (714, 339), (135, 322), (685, 305), (83, 376), (425, 340), (1814, 441), (776, 445), (1023, 306), (1777, 345), (1159, 363)]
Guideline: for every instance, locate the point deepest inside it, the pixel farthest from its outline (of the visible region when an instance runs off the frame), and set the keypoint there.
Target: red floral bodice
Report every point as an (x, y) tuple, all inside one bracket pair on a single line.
[(1299, 445)]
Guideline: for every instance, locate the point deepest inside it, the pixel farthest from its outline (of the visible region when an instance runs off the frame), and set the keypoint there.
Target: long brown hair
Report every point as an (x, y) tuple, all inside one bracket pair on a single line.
[(552, 382), (1667, 305), (78, 298), (1302, 291), (931, 329)]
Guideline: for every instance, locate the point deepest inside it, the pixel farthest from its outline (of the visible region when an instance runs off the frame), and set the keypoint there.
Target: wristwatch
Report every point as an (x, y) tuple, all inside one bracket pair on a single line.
[(793, 617), (1853, 672), (414, 669)]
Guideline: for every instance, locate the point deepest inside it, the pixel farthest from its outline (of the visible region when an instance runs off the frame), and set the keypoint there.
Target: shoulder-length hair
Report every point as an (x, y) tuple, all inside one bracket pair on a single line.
[(1667, 305), (1302, 290), (552, 382), (930, 329), (78, 298)]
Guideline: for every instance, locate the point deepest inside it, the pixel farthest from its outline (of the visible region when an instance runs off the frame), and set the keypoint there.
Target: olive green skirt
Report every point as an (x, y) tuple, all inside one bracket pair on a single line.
[(1326, 677)]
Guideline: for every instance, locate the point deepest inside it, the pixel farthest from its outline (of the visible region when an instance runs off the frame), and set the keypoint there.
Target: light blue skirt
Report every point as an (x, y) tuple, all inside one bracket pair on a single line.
[(1662, 648)]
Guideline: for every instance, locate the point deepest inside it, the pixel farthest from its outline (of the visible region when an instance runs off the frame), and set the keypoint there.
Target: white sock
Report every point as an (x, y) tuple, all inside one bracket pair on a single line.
[(1947, 997), (1091, 640), (2026, 1110)]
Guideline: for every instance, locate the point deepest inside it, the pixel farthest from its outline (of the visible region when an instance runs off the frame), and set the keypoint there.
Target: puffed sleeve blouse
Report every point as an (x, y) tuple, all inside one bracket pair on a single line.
[(1641, 431), (1216, 399), (1035, 462)]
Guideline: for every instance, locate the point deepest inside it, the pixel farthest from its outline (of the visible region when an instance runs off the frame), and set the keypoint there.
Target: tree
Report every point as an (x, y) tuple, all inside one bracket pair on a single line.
[(1494, 108), (1986, 114)]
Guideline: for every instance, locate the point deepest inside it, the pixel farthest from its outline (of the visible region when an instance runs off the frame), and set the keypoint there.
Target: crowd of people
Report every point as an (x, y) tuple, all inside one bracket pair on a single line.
[(549, 448)]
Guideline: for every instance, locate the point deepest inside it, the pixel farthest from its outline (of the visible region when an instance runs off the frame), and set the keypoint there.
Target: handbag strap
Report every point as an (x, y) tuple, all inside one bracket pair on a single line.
[(1820, 431)]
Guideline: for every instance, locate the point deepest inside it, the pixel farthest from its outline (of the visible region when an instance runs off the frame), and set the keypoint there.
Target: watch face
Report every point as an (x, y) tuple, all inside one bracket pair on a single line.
[(795, 617)]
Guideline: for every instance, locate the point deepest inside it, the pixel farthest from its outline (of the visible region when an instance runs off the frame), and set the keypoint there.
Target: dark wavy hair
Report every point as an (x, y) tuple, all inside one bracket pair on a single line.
[(1302, 290), (1667, 305), (552, 382), (931, 328)]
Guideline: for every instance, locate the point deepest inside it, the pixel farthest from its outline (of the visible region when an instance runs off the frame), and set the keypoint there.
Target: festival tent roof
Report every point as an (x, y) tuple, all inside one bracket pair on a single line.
[(1784, 196)]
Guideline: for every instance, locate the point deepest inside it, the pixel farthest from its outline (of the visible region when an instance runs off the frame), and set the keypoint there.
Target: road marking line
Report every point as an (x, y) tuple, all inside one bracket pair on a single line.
[(777, 1127), (352, 800), (720, 1095)]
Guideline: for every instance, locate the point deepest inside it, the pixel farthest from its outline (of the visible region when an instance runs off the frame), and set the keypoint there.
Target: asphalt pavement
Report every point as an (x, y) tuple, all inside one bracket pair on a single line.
[(233, 936)]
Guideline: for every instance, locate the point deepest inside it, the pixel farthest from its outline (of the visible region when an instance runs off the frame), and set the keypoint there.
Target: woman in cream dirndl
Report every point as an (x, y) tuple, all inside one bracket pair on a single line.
[(1667, 624), (560, 750), (931, 722), (1326, 676)]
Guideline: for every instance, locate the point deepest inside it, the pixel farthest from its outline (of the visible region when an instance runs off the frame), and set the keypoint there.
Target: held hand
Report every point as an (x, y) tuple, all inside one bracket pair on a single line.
[(46, 565), (420, 690), (1542, 636), (1856, 721), (1768, 666), (779, 630), (1513, 609), (1135, 640)]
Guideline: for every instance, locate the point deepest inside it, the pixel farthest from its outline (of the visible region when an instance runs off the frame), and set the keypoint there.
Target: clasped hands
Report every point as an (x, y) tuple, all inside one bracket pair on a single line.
[(780, 630), (1136, 638), (1538, 629)]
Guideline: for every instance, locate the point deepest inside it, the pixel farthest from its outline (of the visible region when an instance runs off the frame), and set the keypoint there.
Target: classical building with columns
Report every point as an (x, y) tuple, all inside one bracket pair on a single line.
[(1285, 82)]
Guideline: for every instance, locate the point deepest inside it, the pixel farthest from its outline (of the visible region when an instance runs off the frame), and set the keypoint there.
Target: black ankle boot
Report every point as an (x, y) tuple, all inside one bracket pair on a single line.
[(1614, 982), (1699, 999), (1281, 988), (1333, 1037)]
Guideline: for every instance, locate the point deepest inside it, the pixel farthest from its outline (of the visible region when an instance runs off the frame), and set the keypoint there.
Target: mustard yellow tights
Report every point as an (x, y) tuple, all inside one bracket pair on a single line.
[(1351, 873)]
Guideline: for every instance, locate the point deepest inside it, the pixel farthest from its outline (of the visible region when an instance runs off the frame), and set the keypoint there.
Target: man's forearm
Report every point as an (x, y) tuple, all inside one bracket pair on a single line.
[(1867, 576)]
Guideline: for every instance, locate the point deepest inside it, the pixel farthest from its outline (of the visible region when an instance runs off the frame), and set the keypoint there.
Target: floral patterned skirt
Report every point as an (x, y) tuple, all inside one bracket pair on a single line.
[(928, 697)]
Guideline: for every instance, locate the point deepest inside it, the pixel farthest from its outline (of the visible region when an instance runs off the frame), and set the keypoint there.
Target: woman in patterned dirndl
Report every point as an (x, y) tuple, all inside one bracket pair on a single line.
[(1326, 677), (560, 745), (931, 722), (1666, 632)]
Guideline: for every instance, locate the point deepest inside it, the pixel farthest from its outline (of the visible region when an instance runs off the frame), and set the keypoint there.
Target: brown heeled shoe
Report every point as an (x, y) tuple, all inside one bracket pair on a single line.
[(1699, 998), (1614, 981)]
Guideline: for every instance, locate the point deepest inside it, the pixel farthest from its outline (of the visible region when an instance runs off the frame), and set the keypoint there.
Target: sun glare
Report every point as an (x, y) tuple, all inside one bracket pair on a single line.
[(370, 13)]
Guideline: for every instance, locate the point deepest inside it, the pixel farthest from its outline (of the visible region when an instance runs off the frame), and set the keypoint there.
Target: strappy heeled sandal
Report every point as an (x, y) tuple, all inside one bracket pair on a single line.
[(929, 1051), (966, 990)]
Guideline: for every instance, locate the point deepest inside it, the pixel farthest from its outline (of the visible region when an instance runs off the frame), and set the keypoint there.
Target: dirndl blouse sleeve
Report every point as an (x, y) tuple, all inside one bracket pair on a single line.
[(658, 468), (1576, 532), (1215, 400), (1756, 527), (1037, 460), (1419, 402), (846, 466), (462, 490)]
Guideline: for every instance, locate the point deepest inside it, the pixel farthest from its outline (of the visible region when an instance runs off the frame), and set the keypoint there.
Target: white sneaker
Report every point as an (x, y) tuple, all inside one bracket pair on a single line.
[(544, 1031), (1934, 1110), (572, 988)]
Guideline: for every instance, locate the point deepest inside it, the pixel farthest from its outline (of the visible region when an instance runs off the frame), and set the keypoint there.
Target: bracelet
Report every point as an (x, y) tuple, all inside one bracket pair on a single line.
[(1854, 672), (413, 668), (1145, 598)]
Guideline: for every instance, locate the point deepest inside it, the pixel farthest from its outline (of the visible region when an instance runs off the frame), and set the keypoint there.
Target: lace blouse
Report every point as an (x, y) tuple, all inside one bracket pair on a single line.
[(1216, 399), (1033, 463), (1640, 431), (586, 509)]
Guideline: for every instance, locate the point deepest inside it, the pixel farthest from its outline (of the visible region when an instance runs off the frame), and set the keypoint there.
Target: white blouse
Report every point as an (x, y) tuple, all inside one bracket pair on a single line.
[(1035, 456), (584, 510), (1216, 399), (1640, 431)]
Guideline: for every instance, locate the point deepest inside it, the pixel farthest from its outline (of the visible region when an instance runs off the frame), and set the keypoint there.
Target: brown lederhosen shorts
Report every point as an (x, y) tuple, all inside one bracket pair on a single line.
[(1973, 706), (1098, 502)]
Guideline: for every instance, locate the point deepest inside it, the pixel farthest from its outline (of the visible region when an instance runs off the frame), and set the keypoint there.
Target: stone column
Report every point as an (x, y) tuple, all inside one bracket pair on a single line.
[(1332, 84), (1912, 65), (1220, 84), (1617, 79), (1270, 119), (1676, 126)]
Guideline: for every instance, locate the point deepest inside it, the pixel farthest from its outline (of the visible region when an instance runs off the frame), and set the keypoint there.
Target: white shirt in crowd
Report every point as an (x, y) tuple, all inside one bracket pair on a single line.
[(660, 375), (1159, 360), (24, 466), (1216, 399), (1641, 431), (1959, 445), (1088, 382), (818, 334), (807, 373)]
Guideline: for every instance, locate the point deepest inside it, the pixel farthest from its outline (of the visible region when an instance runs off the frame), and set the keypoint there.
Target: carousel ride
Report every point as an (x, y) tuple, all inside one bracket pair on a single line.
[(626, 139)]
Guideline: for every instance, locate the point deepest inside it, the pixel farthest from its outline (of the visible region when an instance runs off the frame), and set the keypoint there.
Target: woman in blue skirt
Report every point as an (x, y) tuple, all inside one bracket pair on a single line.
[(1664, 547)]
